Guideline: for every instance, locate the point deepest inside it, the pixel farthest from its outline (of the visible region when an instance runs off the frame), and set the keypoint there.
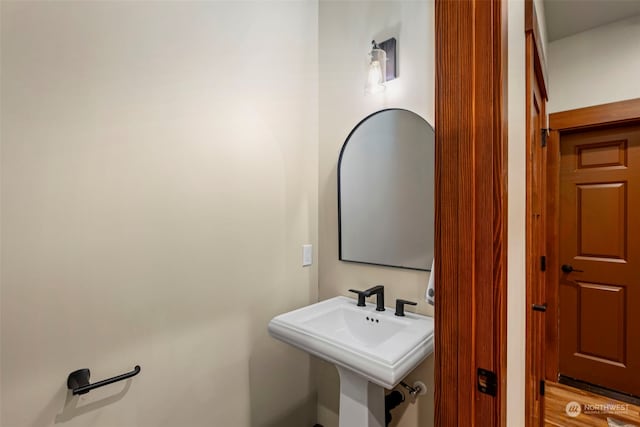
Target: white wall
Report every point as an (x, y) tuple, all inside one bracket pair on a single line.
[(346, 31), (159, 176), (516, 181), (595, 67), (542, 25)]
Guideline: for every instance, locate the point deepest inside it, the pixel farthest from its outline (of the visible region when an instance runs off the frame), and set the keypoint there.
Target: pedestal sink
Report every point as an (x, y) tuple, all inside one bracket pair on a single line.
[(372, 350)]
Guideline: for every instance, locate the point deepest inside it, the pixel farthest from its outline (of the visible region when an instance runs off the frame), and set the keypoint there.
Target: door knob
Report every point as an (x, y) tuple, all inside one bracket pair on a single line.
[(566, 268)]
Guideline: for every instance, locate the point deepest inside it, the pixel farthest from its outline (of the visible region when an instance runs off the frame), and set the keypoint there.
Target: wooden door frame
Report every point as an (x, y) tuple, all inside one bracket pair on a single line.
[(471, 213), (535, 72), (615, 113)]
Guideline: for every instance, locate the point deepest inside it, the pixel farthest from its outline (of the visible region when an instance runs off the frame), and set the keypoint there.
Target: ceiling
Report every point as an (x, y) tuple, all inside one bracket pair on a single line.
[(566, 17)]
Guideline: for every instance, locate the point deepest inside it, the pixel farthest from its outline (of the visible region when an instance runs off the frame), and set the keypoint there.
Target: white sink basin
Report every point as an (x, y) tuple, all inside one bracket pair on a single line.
[(378, 345)]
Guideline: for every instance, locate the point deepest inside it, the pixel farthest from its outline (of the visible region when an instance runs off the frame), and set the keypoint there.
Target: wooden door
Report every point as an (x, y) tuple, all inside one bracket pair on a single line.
[(599, 301), (536, 242), (536, 170)]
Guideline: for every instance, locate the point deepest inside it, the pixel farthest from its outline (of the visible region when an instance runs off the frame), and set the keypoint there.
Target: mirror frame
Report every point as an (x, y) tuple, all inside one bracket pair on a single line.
[(342, 149)]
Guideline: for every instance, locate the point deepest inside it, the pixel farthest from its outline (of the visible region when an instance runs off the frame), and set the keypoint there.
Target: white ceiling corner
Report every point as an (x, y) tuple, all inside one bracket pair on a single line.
[(564, 18)]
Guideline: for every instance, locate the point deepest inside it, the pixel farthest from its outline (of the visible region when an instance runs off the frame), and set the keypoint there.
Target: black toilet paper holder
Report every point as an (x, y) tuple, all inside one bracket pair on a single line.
[(78, 381)]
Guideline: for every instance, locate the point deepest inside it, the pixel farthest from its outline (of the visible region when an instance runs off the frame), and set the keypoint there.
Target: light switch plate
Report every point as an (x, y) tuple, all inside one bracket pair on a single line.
[(307, 255)]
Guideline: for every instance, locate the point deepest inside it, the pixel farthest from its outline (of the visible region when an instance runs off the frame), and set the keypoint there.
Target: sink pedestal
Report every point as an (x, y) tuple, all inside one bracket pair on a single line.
[(361, 402)]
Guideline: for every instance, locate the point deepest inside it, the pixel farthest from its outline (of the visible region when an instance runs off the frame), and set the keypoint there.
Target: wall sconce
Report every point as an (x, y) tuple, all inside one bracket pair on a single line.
[(382, 65)]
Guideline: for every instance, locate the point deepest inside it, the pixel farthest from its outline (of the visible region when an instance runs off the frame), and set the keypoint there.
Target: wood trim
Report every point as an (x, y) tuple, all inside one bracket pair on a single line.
[(613, 113), (530, 77), (552, 354), (471, 170)]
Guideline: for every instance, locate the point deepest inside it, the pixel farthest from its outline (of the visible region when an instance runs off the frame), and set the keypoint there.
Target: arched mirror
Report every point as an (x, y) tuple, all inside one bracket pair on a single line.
[(386, 191)]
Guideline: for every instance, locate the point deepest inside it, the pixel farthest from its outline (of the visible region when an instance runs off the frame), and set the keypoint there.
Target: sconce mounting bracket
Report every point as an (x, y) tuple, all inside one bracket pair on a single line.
[(389, 46)]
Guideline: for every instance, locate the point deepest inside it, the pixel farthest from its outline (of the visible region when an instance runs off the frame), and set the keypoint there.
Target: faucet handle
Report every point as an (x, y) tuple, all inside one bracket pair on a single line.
[(400, 303), (361, 296)]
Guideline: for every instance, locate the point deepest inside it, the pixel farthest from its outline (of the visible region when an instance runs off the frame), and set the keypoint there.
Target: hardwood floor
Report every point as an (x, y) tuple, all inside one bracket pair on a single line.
[(591, 409)]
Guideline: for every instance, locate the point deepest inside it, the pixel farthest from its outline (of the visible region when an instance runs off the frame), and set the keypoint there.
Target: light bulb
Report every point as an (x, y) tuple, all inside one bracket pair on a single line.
[(376, 73), (375, 80)]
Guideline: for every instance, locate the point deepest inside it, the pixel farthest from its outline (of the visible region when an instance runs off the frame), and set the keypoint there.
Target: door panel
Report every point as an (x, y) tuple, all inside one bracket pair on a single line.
[(602, 224), (608, 154), (603, 336), (600, 305)]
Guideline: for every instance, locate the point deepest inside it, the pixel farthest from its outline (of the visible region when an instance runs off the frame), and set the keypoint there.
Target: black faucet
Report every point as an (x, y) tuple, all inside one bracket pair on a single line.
[(400, 303), (360, 297), (379, 290)]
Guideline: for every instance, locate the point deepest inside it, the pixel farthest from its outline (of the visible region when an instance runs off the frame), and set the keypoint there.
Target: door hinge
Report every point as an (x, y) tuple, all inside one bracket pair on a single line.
[(544, 134), (541, 387), (487, 382), (543, 263), (539, 307)]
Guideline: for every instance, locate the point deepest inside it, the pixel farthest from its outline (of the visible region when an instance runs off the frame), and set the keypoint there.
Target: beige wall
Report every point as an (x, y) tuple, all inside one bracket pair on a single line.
[(516, 181), (595, 67), (159, 176), (346, 31), (157, 183)]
